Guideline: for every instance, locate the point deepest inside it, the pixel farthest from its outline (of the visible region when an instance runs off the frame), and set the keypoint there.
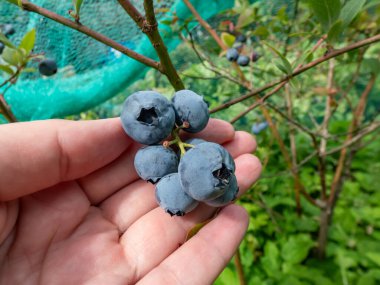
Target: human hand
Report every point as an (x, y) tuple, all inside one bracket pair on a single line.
[(73, 210)]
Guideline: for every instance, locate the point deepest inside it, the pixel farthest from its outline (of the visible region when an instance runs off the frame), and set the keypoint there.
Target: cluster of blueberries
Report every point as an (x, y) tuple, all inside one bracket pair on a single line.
[(47, 66), (234, 53), (184, 172)]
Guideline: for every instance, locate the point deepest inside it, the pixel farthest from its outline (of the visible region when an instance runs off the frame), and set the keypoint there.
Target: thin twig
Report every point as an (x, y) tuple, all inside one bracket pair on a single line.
[(205, 25), (355, 122), (324, 130), (239, 268)]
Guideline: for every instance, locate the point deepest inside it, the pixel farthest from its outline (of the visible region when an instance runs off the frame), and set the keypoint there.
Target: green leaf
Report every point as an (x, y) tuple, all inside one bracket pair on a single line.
[(350, 10), (297, 248), (286, 67), (15, 2), (12, 56), (271, 259), (227, 277), (77, 5), (326, 11), (246, 17), (371, 65), (228, 39), (335, 31), (5, 41), (261, 31), (7, 69), (374, 257), (27, 43)]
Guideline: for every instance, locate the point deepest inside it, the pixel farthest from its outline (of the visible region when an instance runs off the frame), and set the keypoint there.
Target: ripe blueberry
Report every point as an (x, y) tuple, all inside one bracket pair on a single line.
[(2, 46), (232, 54), (8, 30), (47, 67), (229, 196), (171, 197), (258, 127), (205, 171), (243, 60), (191, 108), (154, 162), (147, 117), (255, 56), (241, 38)]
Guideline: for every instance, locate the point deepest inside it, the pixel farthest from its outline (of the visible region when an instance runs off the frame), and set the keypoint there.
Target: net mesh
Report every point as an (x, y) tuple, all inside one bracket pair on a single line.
[(89, 72)]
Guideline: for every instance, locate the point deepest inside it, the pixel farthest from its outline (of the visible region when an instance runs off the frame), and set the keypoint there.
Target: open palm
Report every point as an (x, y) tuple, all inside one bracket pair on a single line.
[(73, 210)]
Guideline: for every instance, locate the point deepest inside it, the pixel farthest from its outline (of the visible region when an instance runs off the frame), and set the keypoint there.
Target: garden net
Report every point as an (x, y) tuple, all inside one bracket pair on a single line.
[(89, 72)]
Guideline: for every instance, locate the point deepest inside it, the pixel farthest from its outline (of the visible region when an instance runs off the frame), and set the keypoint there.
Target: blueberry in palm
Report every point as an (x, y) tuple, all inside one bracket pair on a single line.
[(171, 197), (229, 195), (147, 117), (191, 108), (154, 162), (205, 171)]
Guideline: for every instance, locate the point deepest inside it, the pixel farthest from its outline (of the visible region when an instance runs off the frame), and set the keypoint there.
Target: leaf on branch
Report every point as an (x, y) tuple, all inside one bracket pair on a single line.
[(350, 10), (28, 41), (285, 67), (5, 41), (335, 31), (227, 39), (15, 2), (7, 69), (77, 5), (326, 11), (12, 56), (246, 17), (75, 14)]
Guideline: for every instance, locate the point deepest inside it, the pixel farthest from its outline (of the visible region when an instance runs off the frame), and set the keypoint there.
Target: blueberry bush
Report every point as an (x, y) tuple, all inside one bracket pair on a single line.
[(302, 76)]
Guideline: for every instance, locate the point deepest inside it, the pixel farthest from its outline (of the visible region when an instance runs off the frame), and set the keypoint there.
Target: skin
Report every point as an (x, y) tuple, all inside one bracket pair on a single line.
[(73, 210)]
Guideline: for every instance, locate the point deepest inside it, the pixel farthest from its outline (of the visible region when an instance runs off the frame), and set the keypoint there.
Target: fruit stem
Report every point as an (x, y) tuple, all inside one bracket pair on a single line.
[(177, 141)]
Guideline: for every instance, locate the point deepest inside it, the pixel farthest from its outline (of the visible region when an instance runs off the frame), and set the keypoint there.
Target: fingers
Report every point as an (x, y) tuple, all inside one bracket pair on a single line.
[(104, 182), (216, 131), (156, 235), (203, 257), (37, 155), (118, 210), (243, 142)]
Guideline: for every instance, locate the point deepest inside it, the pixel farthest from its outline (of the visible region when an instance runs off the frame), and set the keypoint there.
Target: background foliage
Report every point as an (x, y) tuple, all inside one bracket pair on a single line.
[(280, 246)]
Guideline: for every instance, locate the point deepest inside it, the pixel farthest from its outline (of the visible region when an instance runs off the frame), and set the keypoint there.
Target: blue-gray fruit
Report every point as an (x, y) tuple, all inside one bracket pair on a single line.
[(47, 67), (230, 195), (8, 30), (194, 142), (255, 56), (171, 197), (241, 38), (205, 171), (243, 60), (258, 127), (2, 46), (154, 162), (147, 117), (232, 54), (191, 108)]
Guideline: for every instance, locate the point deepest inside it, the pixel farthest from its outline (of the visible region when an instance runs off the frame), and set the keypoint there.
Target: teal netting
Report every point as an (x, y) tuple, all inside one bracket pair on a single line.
[(89, 72)]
